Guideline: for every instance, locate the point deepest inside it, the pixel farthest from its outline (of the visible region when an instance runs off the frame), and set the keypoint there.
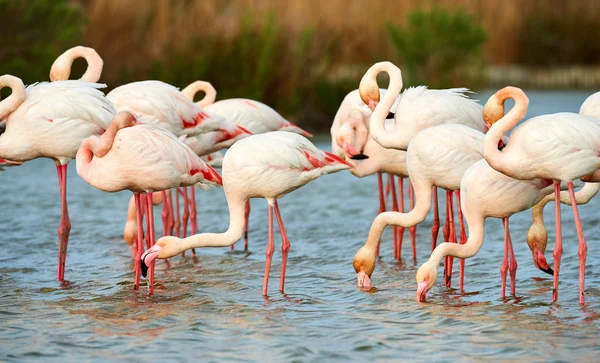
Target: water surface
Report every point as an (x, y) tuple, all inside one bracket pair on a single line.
[(211, 308)]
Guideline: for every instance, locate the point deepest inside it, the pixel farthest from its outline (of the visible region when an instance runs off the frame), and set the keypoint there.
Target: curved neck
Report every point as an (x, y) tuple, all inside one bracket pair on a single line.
[(85, 155), (210, 94), (377, 124), (497, 159), (416, 215), (61, 68), (17, 97), (232, 235), (469, 249)]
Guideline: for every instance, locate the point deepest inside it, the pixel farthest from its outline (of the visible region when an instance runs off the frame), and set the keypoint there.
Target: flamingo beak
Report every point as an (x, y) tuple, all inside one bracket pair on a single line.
[(372, 104), (148, 257), (421, 291), (352, 153), (539, 260), (364, 282)]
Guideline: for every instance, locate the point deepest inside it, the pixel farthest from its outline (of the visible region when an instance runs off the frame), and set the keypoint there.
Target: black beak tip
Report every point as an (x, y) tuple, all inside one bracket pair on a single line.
[(143, 268), (390, 115), (360, 156), (548, 270)]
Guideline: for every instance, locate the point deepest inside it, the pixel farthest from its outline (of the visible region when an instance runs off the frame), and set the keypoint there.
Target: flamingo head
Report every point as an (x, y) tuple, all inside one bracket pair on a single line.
[(353, 132), (537, 239), (369, 92), (426, 276), (364, 265), (493, 111), (165, 247)]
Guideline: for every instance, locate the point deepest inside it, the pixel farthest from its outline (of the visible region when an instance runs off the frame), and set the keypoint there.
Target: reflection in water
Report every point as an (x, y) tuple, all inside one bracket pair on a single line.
[(211, 306)]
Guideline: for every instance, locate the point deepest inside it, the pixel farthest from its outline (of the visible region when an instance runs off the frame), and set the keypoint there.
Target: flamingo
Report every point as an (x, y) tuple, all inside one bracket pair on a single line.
[(560, 147), (591, 106), (252, 169), (142, 159), (350, 137), (50, 120), (437, 157), (418, 108), (254, 116), (488, 193)]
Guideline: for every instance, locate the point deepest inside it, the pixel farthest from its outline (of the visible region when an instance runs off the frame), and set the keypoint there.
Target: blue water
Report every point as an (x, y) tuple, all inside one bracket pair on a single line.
[(211, 308)]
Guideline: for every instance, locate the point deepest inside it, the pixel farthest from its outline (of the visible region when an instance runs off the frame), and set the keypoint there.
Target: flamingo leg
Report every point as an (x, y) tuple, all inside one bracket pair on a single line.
[(165, 214), (435, 229), (269, 252), (140, 238), (186, 214), (582, 250), (413, 229), (452, 236), (558, 248), (193, 214), (512, 264), (504, 266), (177, 215), (401, 230), (392, 184), (463, 240), (64, 227), (247, 218), (285, 246), (382, 200), (171, 220), (150, 240)]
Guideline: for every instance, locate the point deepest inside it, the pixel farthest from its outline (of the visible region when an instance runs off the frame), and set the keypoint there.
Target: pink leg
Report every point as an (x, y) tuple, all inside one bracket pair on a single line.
[(463, 240), (165, 214), (446, 234), (452, 238), (171, 215), (247, 218), (435, 229), (151, 240), (382, 199), (582, 251), (512, 264), (186, 214), (504, 266), (413, 229), (401, 230), (193, 214), (392, 184), (285, 246), (64, 229), (177, 215), (140, 238), (269, 252), (558, 248)]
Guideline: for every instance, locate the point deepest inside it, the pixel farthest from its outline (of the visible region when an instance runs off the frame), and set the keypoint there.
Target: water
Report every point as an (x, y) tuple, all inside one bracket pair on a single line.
[(211, 308)]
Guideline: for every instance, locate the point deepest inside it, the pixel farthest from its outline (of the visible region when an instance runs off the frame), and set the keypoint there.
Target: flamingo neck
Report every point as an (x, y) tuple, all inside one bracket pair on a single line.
[(17, 97), (469, 249), (84, 156), (415, 216), (61, 68), (210, 94), (497, 159), (377, 125), (229, 237)]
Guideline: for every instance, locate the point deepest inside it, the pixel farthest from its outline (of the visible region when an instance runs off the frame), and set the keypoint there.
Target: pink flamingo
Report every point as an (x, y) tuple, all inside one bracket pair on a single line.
[(50, 120), (417, 109), (350, 137), (437, 157), (252, 115), (488, 193), (251, 169), (142, 159), (560, 147)]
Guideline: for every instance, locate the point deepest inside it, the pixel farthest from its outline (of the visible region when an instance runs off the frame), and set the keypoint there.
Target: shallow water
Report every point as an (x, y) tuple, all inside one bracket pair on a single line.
[(211, 308)]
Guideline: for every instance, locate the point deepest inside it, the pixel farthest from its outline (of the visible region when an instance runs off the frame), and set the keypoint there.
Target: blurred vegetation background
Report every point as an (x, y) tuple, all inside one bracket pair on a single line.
[(303, 57)]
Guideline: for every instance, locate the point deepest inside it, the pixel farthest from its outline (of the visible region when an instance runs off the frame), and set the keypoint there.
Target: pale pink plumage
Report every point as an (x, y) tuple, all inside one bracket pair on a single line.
[(561, 147), (266, 166)]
